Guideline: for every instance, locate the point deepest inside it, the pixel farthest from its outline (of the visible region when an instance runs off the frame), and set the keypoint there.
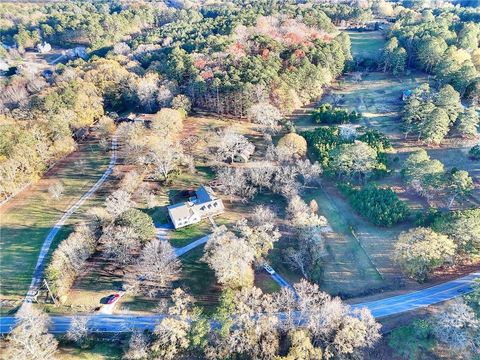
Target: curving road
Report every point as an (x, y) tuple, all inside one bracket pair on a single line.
[(40, 266), (379, 308)]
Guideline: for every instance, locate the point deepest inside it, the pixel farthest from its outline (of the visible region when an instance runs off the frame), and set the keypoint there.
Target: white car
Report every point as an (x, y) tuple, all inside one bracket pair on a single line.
[(269, 269)]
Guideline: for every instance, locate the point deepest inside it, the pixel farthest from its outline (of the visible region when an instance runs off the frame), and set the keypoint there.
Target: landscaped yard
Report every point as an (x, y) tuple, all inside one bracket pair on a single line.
[(26, 220)]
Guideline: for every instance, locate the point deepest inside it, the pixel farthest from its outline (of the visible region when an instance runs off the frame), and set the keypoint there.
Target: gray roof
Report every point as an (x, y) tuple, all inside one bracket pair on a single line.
[(182, 210)]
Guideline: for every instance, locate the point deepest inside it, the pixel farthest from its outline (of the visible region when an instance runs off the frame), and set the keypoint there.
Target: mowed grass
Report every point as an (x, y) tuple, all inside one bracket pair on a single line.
[(367, 44), (26, 220), (199, 280), (100, 350)]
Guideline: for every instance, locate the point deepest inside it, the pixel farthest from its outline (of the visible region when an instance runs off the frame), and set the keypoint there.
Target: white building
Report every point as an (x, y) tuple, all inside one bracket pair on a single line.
[(204, 204)]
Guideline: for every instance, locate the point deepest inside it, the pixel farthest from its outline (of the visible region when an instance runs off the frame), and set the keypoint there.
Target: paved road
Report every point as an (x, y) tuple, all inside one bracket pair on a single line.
[(422, 298), (379, 308), (39, 267)]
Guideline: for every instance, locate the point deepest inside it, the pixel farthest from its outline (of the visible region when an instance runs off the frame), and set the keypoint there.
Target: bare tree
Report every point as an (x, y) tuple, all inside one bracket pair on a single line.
[(308, 227), (118, 202), (230, 144), (138, 346), (78, 330), (265, 115), (146, 90), (261, 176), (167, 123), (156, 268), (234, 182), (56, 190), (172, 333), (263, 215), (285, 181), (30, 340), (166, 157), (458, 328), (119, 242), (131, 181), (230, 257), (309, 173), (340, 331), (261, 234), (121, 48)]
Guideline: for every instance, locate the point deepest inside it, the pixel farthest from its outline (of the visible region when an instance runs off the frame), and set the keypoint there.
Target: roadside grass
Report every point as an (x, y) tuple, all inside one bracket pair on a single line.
[(265, 282), (100, 350), (27, 219), (368, 44)]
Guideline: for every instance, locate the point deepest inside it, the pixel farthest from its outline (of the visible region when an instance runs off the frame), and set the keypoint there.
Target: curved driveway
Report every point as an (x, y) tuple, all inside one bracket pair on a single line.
[(39, 267)]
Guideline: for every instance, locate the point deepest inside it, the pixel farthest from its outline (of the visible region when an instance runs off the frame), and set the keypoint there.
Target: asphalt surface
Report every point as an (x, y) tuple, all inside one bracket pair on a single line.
[(422, 298), (379, 308)]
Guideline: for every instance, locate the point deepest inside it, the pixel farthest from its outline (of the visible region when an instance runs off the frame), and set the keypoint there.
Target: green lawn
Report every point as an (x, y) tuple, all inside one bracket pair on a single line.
[(100, 350), (367, 44), (25, 222), (184, 236), (199, 280)]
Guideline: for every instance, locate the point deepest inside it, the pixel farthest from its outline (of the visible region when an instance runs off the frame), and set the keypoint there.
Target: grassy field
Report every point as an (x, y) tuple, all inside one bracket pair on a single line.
[(367, 44), (26, 220)]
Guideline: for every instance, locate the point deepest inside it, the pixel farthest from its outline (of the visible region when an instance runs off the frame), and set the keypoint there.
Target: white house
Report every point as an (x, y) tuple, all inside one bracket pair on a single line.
[(204, 204)]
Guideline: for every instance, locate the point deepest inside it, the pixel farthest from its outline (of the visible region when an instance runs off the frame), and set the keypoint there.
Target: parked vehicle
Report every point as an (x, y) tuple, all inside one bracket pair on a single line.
[(112, 298), (269, 269)]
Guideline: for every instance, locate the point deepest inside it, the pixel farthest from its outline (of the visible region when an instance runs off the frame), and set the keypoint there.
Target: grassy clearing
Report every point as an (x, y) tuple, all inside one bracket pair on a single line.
[(348, 269), (27, 219), (367, 44)]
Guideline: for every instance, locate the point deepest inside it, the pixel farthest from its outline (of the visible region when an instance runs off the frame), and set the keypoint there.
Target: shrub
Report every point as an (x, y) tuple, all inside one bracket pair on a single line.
[(375, 139), (294, 144), (141, 223), (474, 152), (380, 206), (323, 140), (327, 114), (411, 341)]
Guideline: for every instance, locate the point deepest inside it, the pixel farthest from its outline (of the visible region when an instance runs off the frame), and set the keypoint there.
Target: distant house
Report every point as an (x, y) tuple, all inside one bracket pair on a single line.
[(43, 48), (200, 206), (78, 52), (406, 94)]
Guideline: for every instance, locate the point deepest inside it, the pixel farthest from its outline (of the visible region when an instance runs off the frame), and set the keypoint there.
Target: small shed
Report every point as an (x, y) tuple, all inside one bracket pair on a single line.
[(244, 156), (44, 47)]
